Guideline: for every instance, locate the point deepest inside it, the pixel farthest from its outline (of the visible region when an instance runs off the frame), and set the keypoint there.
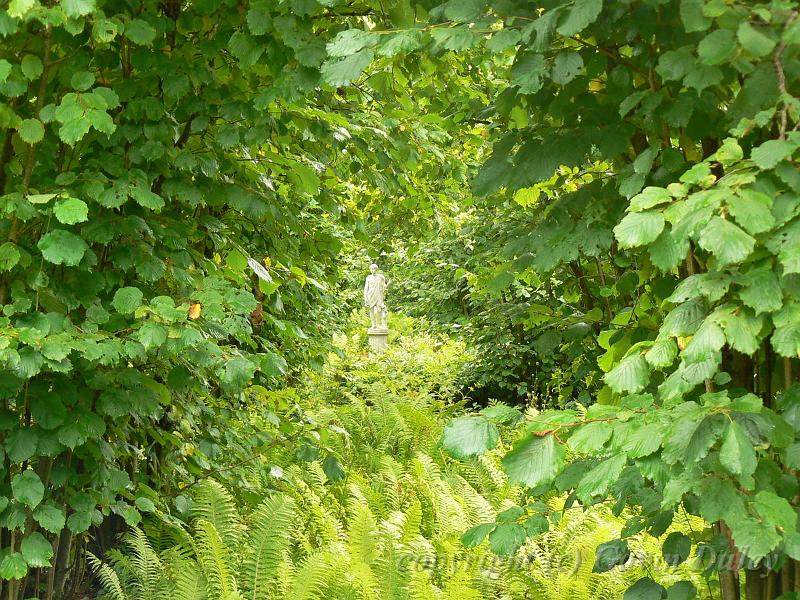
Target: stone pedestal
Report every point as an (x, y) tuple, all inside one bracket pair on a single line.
[(377, 340)]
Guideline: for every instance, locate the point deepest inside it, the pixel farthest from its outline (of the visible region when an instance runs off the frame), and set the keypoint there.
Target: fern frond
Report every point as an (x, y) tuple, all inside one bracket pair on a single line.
[(109, 579), (215, 560), (266, 545), (214, 504)]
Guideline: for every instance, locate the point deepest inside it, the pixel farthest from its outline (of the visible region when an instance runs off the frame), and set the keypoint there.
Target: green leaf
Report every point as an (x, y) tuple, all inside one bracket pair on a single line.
[(476, 535), (9, 256), (631, 375), (13, 566), (238, 372), (145, 197), (31, 131), (62, 247), (18, 9), (770, 153), (145, 504), (645, 589), (534, 460), (776, 511), (754, 41), (349, 42), (71, 211), (469, 436), (727, 242), (648, 198), (77, 8), (682, 590), (662, 353), (31, 66), (590, 437), (761, 290), (693, 17), (566, 66), (717, 47), (610, 554), (245, 48), (527, 73), (151, 335), (21, 445), (82, 80), (752, 210), (676, 548), (507, 538), (127, 299), (78, 522), (638, 440), (48, 411), (339, 73), (27, 488), (36, 550), (50, 518), (705, 343), (140, 32), (582, 14), (597, 481), (639, 228)]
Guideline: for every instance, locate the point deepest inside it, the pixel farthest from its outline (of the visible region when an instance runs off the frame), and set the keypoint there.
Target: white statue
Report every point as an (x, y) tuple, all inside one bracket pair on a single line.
[(374, 291)]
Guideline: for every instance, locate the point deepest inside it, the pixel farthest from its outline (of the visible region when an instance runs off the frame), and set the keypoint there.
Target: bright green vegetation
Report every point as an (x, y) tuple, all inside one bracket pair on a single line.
[(391, 528), (598, 200)]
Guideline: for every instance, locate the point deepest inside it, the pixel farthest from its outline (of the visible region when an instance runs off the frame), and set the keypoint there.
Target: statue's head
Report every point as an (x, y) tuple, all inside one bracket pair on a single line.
[(373, 268)]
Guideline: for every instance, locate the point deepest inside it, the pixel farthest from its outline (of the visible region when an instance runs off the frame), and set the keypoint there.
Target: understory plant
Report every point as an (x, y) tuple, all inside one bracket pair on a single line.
[(381, 513)]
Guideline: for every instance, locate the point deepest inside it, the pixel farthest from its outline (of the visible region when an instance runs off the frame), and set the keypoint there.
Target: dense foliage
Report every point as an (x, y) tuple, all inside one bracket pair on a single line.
[(388, 527), (178, 180)]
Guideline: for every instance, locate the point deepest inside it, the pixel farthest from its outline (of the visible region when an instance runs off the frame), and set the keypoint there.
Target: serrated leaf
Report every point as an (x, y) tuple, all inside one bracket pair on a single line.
[(534, 460), (527, 72), (682, 590), (597, 481), (50, 518), (737, 454), (506, 539), (662, 353), (753, 40), (566, 66), (13, 566), (339, 73), (639, 228), (27, 488), (21, 445), (36, 550), (648, 198), (77, 8), (752, 210), (127, 299), (582, 14), (9, 256), (706, 342), (727, 242), (71, 211), (31, 131), (140, 32), (151, 335), (590, 437), (761, 290), (631, 375), (610, 554), (770, 153), (349, 42), (62, 247), (645, 589), (717, 47), (469, 436), (474, 536)]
